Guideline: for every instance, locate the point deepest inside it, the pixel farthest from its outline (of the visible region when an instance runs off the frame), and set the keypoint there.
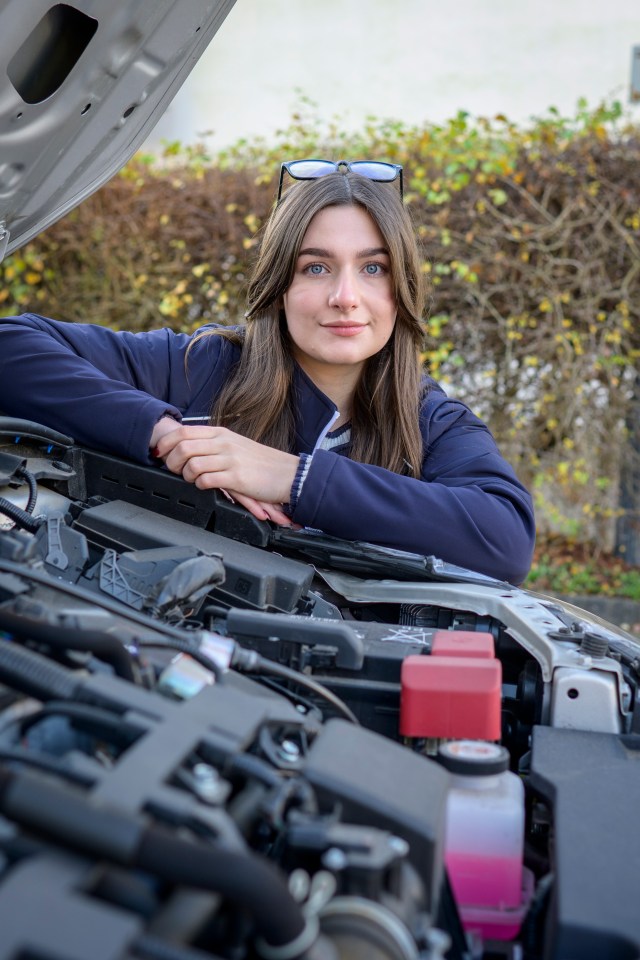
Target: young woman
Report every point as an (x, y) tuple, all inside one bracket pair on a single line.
[(316, 411)]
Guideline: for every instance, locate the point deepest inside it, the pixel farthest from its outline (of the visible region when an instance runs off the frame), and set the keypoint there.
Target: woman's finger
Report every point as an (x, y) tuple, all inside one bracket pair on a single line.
[(263, 510)]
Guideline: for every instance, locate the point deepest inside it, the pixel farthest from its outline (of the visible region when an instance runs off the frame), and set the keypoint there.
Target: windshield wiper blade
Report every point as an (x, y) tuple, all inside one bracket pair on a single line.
[(369, 560)]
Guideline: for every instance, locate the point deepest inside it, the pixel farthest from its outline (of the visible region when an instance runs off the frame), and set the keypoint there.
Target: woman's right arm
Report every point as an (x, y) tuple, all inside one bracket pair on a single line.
[(105, 389)]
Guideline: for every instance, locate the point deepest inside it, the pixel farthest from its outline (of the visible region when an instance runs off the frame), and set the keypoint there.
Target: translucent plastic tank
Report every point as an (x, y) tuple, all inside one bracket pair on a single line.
[(484, 839)]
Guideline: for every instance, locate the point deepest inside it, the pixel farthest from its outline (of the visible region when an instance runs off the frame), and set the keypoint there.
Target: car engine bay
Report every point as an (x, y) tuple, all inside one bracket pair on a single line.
[(224, 739)]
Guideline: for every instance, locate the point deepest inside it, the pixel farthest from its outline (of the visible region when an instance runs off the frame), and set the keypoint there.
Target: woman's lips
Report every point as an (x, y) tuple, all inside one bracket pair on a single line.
[(345, 329)]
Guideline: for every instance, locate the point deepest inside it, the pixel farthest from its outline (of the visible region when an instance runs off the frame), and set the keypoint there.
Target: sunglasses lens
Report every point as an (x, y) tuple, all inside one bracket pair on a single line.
[(313, 169), (374, 169), (309, 169)]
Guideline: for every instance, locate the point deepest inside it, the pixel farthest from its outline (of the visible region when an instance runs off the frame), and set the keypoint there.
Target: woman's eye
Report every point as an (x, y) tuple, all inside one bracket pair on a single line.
[(315, 269), (374, 269)]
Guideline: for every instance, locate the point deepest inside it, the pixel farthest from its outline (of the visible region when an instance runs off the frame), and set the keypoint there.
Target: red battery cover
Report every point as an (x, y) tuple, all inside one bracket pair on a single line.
[(462, 643), (451, 694)]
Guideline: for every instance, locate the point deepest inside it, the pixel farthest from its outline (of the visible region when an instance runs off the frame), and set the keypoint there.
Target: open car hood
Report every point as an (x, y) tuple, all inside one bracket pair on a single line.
[(82, 85)]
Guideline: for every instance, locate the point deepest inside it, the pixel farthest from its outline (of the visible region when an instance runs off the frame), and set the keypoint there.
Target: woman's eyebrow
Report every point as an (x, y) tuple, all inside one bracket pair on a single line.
[(360, 255), (315, 252), (372, 252)]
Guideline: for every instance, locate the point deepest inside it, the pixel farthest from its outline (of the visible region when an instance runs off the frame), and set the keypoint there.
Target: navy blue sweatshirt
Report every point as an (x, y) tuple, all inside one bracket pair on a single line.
[(108, 390)]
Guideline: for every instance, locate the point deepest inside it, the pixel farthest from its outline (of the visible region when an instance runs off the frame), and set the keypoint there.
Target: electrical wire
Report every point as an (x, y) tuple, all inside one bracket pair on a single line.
[(311, 709), (30, 481), (20, 517), (171, 637), (263, 665), (185, 646)]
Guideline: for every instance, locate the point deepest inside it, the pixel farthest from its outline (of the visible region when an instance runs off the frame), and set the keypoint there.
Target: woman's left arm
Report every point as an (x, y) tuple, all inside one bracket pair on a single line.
[(468, 508)]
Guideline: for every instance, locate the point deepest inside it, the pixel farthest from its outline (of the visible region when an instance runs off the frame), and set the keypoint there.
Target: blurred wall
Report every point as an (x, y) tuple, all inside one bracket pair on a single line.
[(412, 60)]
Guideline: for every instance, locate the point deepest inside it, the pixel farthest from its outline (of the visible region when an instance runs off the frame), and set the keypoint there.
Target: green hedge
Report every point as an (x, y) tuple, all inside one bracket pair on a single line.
[(531, 239)]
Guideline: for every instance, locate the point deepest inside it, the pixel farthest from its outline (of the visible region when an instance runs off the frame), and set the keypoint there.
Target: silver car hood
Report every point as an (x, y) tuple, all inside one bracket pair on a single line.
[(81, 86)]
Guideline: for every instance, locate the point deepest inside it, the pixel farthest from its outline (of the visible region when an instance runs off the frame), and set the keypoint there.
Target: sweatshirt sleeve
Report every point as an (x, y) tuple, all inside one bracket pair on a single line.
[(467, 508), (105, 389)]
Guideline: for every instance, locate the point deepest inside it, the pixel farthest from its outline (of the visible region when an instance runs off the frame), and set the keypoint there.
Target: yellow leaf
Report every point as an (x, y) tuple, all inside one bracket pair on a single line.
[(252, 222)]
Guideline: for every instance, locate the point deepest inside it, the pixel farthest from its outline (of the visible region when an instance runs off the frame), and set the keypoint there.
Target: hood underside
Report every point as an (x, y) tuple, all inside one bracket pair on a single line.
[(81, 86)]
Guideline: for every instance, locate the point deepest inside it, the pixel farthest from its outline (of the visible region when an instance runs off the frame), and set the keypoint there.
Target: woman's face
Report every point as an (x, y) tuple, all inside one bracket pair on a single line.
[(340, 307)]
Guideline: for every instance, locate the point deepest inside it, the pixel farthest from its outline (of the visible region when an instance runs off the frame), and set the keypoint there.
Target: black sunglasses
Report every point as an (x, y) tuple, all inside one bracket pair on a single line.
[(377, 170)]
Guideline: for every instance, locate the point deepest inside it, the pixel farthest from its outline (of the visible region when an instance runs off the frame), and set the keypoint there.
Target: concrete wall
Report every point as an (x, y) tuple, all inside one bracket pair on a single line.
[(413, 60)]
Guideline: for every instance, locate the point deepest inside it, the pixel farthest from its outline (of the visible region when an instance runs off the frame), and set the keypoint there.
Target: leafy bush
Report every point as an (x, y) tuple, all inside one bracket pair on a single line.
[(531, 239), (565, 566)]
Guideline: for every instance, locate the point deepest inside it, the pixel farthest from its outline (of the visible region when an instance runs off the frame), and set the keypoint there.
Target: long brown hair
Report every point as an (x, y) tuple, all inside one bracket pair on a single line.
[(256, 399)]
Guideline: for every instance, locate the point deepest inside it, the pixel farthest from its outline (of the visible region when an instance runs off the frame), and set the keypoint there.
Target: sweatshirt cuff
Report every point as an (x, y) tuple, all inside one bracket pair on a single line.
[(304, 464)]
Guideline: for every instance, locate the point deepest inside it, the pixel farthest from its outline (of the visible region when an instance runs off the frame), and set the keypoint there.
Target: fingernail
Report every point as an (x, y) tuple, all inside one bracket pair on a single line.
[(155, 453)]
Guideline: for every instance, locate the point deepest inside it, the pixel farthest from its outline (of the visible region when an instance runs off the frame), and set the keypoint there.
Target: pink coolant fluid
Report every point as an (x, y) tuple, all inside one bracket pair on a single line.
[(484, 838)]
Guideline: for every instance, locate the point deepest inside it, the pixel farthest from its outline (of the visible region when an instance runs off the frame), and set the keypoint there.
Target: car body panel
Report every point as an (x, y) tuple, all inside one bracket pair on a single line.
[(83, 86)]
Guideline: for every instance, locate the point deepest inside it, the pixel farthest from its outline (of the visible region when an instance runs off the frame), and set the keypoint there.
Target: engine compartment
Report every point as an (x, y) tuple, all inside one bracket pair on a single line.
[(221, 739)]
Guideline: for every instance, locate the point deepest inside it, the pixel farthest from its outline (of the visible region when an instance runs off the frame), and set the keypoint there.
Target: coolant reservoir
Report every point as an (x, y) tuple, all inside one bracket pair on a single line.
[(484, 837)]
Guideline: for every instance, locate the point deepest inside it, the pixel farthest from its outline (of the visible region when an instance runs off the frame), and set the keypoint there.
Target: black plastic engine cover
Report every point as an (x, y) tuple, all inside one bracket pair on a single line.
[(254, 578), (378, 783), (45, 911), (592, 781)]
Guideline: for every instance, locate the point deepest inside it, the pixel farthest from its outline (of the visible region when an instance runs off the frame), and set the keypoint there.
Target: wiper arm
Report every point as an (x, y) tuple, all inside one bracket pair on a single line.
[(368, 559)]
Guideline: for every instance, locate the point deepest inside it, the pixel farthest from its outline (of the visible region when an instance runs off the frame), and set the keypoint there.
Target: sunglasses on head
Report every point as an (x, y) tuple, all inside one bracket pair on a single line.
[(377, 170)]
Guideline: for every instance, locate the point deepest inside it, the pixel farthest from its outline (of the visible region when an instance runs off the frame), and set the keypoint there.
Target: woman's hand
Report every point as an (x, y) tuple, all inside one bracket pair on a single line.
[(257, 476)]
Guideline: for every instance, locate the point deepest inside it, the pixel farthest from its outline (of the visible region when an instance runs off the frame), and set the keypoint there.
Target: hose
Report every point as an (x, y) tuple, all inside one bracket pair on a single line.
[(62, 637), (37, 676), (248, 880)]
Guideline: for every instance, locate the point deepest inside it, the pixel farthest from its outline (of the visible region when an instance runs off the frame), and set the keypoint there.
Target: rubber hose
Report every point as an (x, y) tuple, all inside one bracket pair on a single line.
[(14, 427), (62, 637), (35, 675), (249, 881), (73, 820)]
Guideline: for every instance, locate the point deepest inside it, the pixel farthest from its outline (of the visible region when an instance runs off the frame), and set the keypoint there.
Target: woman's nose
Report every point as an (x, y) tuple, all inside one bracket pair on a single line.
[(345, 294)]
